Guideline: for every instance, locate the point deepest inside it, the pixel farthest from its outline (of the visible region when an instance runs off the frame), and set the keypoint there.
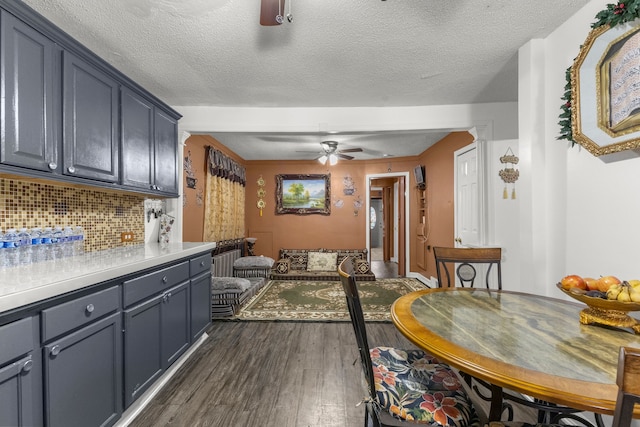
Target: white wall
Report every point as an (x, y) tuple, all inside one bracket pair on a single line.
[(578, 213)]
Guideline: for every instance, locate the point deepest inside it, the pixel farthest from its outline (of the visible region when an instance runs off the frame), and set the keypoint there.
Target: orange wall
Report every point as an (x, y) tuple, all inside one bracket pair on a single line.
[(342, 229), (439, 166)]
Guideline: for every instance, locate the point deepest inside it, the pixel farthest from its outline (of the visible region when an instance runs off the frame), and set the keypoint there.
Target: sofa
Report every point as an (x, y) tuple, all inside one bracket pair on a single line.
[(319, 264), (235, 279)]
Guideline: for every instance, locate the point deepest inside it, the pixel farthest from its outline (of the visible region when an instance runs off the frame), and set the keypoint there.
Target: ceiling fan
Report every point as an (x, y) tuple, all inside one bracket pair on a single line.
[(331, 152), (272, 12)]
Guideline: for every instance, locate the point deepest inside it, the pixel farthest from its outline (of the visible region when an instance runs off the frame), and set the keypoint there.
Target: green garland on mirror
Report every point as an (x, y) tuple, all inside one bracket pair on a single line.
[(614, 14)]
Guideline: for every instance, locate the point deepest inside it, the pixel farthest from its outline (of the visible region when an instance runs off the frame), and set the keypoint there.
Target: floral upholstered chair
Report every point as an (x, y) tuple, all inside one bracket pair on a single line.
[(405, 387)]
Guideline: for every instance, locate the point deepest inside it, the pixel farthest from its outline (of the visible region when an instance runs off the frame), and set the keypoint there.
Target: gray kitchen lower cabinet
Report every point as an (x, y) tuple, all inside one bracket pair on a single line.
[(20, 374), (156, 334), (200, 305), (83, 375)]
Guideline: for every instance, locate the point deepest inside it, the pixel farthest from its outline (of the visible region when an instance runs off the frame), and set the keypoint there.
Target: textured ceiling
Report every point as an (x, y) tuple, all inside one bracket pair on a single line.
[(335, 53)]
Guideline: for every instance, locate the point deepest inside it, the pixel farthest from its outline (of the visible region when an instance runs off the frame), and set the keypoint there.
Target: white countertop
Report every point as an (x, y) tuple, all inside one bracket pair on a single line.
[(27, 284)]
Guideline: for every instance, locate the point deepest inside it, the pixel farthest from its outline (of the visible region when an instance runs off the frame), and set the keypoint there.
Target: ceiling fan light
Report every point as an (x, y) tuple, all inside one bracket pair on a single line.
[(323, 159), (333, 159)]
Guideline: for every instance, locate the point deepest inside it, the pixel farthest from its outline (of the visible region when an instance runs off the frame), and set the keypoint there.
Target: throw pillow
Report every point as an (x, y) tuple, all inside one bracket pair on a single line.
[(362, 267), (322, 261), (282, 266)]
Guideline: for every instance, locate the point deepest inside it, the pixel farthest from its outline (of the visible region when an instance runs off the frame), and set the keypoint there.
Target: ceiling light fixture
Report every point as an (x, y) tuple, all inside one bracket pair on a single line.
[(333, 159), (323, 159)]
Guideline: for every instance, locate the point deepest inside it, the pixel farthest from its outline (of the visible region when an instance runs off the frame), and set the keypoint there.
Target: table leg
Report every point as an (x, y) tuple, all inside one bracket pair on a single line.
[(495, 411)]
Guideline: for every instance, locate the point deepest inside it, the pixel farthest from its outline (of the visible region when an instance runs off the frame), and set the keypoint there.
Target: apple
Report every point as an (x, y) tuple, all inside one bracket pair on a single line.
[(605, 282), (573, 281), (592, 284)]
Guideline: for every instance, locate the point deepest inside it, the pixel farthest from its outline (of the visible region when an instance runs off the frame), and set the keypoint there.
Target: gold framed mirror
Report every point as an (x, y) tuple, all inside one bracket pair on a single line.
[(605, 90)]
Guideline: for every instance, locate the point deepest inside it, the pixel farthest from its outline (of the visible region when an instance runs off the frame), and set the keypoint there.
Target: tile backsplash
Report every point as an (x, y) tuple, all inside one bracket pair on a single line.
[(104, 215)]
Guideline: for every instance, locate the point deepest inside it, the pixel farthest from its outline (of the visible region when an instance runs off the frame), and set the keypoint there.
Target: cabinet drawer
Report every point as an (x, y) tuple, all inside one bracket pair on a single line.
[(200, 264), (150, 284), (70, 315), (16, 339)]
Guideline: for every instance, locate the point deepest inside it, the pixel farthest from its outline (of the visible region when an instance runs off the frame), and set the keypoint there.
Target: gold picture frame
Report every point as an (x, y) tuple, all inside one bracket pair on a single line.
[(605, 90), (303, 194)]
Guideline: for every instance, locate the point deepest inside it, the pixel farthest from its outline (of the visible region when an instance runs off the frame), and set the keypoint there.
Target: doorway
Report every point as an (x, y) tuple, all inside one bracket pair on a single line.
[(387, 225)]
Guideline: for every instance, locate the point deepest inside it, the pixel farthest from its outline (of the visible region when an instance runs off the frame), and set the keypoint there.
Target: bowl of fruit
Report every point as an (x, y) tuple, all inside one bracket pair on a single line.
[(608, 299)]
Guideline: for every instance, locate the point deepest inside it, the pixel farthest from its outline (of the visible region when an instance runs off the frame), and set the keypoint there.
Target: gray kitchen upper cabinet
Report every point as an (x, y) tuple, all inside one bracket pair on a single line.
[(166, 158), (149, 145), (137, 140), (90, 111), (29, 112)]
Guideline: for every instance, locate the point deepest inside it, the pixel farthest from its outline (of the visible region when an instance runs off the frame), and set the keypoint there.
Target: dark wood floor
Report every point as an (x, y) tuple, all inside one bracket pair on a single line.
[(384, 269), (270, 374)]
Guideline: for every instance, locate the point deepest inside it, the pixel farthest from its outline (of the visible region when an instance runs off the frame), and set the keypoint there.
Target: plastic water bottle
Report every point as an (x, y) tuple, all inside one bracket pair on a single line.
[(57, 241), (3, 259), (11, 245), (37, 248), (78, 241), (47, 243), (25, 253), (67, 245)]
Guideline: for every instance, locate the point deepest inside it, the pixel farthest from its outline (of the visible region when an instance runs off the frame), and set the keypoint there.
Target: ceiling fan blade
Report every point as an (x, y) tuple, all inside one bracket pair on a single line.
[(344, 156), (269, 9), (351, 150)]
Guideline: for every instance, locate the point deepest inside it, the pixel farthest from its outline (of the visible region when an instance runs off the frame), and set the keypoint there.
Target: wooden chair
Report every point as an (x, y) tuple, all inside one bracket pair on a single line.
[(405, 387), (628, 380), (467, 259)]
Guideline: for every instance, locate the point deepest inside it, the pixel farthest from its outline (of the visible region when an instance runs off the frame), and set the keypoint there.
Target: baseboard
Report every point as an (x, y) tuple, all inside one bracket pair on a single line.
[(430, 283), (138, 406)]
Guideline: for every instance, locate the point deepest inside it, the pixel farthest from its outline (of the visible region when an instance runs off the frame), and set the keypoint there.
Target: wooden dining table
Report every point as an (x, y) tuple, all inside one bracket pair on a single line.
[(527, 343)]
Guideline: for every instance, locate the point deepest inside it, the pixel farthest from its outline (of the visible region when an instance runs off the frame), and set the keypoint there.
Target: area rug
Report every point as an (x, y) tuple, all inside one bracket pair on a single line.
[(324, 301)]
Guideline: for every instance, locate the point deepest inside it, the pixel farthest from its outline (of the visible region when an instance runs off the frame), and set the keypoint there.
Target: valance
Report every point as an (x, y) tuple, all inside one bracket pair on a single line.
[(223, 166)]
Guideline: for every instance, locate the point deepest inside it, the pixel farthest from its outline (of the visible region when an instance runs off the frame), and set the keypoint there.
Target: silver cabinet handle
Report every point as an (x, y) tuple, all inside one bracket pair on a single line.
[(164, 279), (201, 263), (53, 166), (55, 350), (27, 365), (71, 169), (90, 308)]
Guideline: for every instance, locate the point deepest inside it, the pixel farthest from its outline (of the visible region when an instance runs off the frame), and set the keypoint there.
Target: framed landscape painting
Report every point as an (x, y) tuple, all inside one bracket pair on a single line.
[(303, 194)]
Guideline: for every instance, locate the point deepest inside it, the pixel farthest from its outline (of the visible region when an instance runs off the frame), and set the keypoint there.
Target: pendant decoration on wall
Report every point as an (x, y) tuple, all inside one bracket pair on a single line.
[(199, 197), (189, 172), (349, 187), (357, 205), (509, 173), (261, 193)]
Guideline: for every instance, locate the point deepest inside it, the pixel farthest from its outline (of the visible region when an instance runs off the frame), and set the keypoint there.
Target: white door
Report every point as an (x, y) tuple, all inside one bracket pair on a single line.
[(467, 197)]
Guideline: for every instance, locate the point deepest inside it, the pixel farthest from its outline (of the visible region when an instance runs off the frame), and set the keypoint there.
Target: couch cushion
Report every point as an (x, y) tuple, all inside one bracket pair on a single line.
[(322, 261), (253, 262), (234, 283), (297, 258)]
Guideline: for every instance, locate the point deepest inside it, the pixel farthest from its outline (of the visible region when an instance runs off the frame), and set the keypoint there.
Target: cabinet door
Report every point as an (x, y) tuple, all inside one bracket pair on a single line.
[(90, 108), (28, 113), (137, 140), (142, 344), (83, 376), (176, 323), (200, 304), (166, 153), (17, 406)]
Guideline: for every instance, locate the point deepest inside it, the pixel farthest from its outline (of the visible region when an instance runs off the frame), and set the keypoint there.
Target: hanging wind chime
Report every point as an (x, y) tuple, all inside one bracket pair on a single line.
[(509, 173)]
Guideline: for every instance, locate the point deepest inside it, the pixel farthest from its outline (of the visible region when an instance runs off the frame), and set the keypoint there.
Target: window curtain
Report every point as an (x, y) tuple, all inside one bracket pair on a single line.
[(224, 198)]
